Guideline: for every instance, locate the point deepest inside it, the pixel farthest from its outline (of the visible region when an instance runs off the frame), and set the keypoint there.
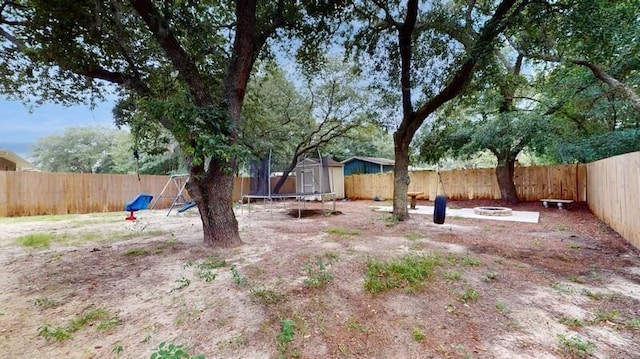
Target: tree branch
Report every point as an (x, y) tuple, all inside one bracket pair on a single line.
[(461, 78), (616, 85), (405, 33), (159, 27)]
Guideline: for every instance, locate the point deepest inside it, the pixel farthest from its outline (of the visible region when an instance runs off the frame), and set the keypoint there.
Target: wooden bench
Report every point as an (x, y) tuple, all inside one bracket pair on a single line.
[(414, 196), (559, 202)]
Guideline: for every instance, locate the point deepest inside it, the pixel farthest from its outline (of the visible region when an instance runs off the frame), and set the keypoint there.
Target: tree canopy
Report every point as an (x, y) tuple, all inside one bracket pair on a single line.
[(92, 149), (184, 65), (77, 149)]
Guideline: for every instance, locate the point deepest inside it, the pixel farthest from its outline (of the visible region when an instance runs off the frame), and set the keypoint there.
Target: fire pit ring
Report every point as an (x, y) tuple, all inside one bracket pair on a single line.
[(492, 211)]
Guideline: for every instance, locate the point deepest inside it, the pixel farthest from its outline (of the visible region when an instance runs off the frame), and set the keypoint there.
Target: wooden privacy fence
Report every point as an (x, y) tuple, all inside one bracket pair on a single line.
[(37, 193), (611, 187), (532, 183), (613, 194)]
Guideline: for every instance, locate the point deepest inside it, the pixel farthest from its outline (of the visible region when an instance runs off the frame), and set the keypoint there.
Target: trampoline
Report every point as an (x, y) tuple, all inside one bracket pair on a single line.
[(312, 182)]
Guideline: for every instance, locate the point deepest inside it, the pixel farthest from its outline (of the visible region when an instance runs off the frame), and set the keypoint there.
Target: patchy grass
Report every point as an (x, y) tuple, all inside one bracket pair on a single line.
[(571, 322), (316, 272), (45, 218), (418, 334), (604, 316), (413, 236), (266, 296), (356, 326), (501, 307), (344, 231), (205, 269), (45, 303), (135, 252), (36, 240), (90, 317), (469, 295), (471, 262), (285, 336), (452, 276), (406, 272)]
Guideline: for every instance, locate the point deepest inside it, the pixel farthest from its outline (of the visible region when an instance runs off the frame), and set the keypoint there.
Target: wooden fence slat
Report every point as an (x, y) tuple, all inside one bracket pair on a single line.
[(532, 183), (613, 189)]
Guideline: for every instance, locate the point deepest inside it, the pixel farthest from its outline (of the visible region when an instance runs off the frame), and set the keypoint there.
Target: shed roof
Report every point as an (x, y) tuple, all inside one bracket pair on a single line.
[(376, 160), (20, 162), (328, 162)]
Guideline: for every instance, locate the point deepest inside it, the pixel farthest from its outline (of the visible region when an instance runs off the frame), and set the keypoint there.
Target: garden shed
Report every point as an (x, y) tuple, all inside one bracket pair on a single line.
[(362, 165), (9, 161), (320, 176)]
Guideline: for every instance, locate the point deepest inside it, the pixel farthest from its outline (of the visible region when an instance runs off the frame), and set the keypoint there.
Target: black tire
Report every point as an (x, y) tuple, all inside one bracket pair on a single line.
[(439, 211)]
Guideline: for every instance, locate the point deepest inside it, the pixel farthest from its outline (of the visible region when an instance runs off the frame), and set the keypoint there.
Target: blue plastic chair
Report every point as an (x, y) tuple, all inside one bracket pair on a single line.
[(140, 202)]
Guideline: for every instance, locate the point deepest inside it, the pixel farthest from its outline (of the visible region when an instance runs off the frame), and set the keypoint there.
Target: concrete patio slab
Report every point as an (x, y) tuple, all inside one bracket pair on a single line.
[(516, 216)]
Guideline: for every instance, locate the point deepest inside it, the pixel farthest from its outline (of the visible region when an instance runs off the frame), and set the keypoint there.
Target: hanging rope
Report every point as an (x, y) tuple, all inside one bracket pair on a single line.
[(137, 158)]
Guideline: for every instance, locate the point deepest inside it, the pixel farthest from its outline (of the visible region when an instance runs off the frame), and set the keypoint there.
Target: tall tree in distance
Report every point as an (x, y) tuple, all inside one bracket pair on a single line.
[(77, 149), (185, 64), (291, 122)]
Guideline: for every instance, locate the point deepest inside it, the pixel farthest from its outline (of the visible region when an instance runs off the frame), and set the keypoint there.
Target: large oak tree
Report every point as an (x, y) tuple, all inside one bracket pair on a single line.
[(424, 63), (183, 64)]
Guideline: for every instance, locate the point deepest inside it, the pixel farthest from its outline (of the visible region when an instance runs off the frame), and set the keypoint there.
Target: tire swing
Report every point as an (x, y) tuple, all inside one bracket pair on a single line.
[(440, 209)]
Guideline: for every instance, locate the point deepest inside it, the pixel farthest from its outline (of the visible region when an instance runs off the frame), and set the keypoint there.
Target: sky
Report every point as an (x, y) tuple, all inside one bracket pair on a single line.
[(21, 127)]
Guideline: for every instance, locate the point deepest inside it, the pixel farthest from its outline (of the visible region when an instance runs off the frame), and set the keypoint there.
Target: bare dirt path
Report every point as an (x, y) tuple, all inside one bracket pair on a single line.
[(565, 287)]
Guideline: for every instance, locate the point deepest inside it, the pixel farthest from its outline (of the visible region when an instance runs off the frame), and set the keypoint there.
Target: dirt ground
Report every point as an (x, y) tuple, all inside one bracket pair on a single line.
[(565, 287)]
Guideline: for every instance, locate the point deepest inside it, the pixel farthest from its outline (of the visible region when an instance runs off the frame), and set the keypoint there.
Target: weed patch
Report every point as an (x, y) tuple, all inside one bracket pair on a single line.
[(45, 303), (413, 236), (571, 322), (501, 307), (471, 262), (576, 346), (452, 276), (591, 295), (405, 272), (173, 351), (317, 275), (344, 232), (633, 323), (135, 252), (469, 295), (166, 245), (418, 335), (356, 326), (181, 283), (604, 316), (36, 240), (205, 269), (266, 296), (89, 317), (285, 336), (259, 295)]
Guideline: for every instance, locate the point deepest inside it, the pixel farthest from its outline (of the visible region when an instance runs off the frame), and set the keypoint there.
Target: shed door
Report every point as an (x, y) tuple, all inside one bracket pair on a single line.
[(307, 181)]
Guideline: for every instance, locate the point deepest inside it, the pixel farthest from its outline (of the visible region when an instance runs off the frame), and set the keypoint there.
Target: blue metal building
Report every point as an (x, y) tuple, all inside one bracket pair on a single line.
[(363, 165)]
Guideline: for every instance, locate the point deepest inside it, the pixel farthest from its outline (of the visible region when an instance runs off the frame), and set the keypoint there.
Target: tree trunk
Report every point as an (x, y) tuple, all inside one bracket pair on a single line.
[(504, 174), (400, 176), (212, 192), (285, 174)]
